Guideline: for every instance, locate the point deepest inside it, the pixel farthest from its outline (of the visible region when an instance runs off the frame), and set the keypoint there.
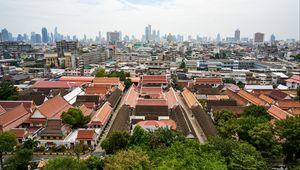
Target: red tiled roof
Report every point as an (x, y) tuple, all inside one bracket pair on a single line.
[(85, 110), (217, 97), (56, 84), (97, 90), (85, 134), (152, 102), (294, 79), (266, 98), (106, 81), (20, 132), (131, 96), (54, 107), (13, 118), (161, 79), (279, 95), (76, 79), (251, 98), (208, 81), (189, 98), (171, 98), (278, 113), (134, 79), (158, 123), (2, 110), (287, 104), (151, 90), (8, 105), (102, 115)]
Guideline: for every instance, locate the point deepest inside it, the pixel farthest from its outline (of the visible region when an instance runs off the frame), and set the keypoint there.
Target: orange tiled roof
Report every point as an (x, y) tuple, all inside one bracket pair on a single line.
[(208, 80), (85, 134), (131, 96), (102, 115), (278, 113), (171, 98), (85, 110), (151, 102), (154, 79), (97, 90), (13, 118), (54, 107), (217, 97), (158, 123), (56, 84), (76, 78), (106, 81), (266, 98), (20, 132), (287, 104), (251, 98), (189, 98)]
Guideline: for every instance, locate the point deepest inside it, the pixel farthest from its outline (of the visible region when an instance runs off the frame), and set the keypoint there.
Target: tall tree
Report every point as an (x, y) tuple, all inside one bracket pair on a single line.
[(254, 110), (127, 160), (116, 141), (8, 91), (75, 118), (31, 143), (65, 163), (20, 160), (289, 132), (262, 137), (94, 163), (7, 142)]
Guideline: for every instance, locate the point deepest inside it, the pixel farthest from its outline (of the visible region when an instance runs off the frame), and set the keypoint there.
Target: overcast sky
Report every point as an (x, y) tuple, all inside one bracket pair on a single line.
[(187, 17)]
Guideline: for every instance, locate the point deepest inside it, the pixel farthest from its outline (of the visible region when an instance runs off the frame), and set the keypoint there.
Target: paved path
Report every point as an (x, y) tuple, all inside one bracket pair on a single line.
[(197, 128), (110, 123)]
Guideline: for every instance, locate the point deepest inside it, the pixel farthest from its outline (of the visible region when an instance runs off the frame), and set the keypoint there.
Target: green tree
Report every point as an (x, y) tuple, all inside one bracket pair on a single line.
[(7, 142), (31, 143), (65, 163), (262, 137), (128, 160), (94, 163), (127, 83), (289, 131), (186, 155), (298, 92), (229, 80), (8, 91), (254, 110), (78, 148), (182, 65), (75, 118), (164, 137), (20, 160), (238, 155), (139, 137), (116, 141), (101, 73)]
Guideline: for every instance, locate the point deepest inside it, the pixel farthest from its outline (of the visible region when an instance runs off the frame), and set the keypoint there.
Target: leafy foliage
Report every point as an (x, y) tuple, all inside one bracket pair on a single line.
[(19, 160), (8, 91), (7, 142), (289, 131), (75, 118), (257, 111), (116, 141), (65, 163), (94, 162), (128, 159)]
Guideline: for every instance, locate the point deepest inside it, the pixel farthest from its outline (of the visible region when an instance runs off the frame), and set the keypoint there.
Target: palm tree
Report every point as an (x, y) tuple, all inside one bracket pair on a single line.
[(31, 143)]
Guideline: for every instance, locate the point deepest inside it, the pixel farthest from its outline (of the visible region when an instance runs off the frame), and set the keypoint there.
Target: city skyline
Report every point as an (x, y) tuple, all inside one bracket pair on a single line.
[(177, 17)]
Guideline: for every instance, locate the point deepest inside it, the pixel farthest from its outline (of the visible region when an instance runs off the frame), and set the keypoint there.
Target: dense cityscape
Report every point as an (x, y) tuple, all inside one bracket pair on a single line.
[(158, 100)]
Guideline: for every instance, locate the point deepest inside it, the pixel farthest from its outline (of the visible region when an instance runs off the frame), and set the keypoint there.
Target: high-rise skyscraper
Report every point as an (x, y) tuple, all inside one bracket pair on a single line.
[(45, 37), (113, 37), (272, 38), (259, 37), (5, 35), (32, 37), (55, 34), (38, 38), (148, 33), (218, 37), (237, 35)]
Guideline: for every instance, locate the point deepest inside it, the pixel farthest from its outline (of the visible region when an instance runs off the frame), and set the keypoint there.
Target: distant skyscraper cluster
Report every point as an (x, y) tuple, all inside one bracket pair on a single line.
[(151, 35)]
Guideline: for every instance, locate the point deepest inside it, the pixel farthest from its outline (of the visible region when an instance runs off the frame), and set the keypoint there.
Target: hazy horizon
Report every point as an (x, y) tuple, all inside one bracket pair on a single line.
[(186, 17)]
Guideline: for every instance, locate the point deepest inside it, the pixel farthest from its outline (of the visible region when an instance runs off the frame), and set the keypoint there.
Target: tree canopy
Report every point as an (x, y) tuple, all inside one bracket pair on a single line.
[(8, 91), (75, 118), (7, 142)]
